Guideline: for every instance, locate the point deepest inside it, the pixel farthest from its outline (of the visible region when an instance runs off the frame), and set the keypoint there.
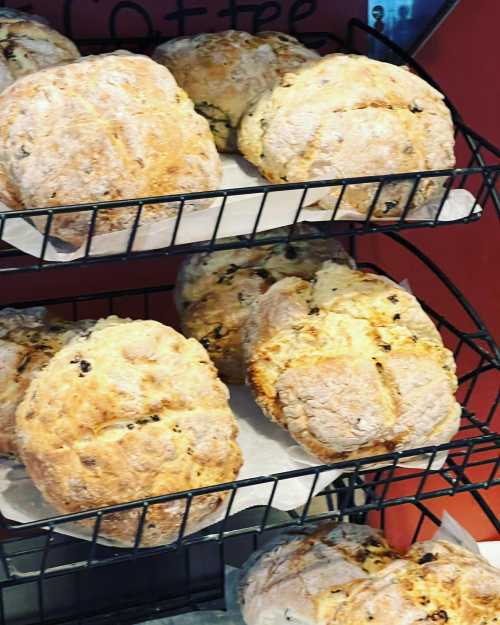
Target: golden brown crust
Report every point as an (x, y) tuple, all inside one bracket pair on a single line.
[(436, 582), (130, 413), (120, 128), (349, 116), (215, 291), (224, 72), (28, 340), (27, 46), (279, 584), (350, 365)]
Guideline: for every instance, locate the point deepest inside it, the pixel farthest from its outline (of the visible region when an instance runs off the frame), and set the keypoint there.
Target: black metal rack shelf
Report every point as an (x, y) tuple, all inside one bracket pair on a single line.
[(49, 577), (36, 557), (478, 168)]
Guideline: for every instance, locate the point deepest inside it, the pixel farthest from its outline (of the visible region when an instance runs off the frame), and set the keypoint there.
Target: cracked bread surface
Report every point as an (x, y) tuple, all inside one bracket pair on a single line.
[(279, 584), (215, 290), (29, 338), (350, 116), (436, 582), (27, 45), (108, 127), (132, 412), (224, 72), (350, 365)]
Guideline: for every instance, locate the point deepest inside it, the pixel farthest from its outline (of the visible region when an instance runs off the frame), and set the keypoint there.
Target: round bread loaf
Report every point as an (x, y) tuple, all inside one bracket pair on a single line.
[(130, 413), (350, 365), (224, 72), (347, 116), (215, 290), (27, 45), (28, 340), (436, 582), (280, 584), (108, 127)]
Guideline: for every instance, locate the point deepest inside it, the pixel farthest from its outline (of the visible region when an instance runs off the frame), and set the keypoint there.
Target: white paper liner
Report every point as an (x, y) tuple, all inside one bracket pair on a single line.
[(267, 449), (239, 216), (265, 452)]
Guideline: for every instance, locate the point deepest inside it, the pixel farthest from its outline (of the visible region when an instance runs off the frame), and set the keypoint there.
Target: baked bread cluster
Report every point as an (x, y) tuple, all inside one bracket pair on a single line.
[(347, 116), (108, 127), (28, 340), (224, 72), (348, 575), (350, 364), (131, 412), (215, 290), (28, 45), (279, 585)]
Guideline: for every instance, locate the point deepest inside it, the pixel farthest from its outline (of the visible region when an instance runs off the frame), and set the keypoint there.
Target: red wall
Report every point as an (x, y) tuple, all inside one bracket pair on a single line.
[(463, 58)]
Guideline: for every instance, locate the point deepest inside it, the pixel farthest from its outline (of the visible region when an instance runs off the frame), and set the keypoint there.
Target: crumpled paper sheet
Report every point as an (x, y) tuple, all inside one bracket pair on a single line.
[(239, 216)]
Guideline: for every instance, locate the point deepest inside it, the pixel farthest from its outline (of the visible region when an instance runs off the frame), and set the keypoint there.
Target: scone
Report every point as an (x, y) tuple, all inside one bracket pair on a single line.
[(436, 582), (215, 290), (350, 365), (28, 340), (348, 116), (224, 72), (279, 585), (120, 128), (133, 412), (27, 45)]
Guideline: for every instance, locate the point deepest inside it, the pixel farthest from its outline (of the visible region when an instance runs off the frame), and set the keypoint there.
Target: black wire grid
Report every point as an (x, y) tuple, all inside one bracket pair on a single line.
[(479, 170), (49, 577), (38, 561)]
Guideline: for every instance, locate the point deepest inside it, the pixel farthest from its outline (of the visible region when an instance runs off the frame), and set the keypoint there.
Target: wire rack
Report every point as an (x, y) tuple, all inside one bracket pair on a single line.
[(477, 171), (49, 577), (38, 560)]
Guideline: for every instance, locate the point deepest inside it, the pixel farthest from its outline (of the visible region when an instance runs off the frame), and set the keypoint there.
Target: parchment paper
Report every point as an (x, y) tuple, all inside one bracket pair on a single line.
[(267, 449), (238, 218)]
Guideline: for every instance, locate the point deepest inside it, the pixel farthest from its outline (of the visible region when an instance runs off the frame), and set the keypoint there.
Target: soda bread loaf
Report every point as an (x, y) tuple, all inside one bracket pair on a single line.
[(28, 340), (436, 582), (279, 584), (132, 412), (350, 365), (347, 116), (107, 127), (215, 290), (224, 72), (27, 45)]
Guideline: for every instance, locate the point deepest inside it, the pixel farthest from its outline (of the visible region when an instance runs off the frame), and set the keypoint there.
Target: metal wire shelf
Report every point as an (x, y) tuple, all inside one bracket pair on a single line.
[(477, 171), (47, 577), (34, 554)]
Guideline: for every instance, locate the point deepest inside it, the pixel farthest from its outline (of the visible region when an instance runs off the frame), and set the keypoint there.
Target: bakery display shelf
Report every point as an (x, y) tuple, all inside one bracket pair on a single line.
[(38, 559), (478, 167)]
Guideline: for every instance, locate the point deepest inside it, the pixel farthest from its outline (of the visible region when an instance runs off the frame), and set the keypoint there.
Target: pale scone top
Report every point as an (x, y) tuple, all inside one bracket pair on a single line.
[(348, 116), (132, 412), (215, 290), (26, 46), (436, 582), (29, 338), (224, 72), (350, 365), (107, 127), (279, 584)]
